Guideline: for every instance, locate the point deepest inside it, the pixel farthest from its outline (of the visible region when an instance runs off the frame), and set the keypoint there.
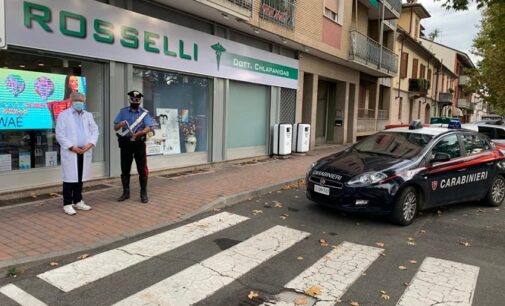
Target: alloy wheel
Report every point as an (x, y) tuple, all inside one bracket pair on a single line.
[(409, 206), (498, 190)]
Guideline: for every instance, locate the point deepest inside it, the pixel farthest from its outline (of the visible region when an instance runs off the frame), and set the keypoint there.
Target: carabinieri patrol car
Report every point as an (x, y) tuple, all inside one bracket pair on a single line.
[(403, 170)]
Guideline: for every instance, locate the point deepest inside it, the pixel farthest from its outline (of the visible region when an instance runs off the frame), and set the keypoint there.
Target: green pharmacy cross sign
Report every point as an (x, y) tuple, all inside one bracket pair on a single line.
[(252, 64)]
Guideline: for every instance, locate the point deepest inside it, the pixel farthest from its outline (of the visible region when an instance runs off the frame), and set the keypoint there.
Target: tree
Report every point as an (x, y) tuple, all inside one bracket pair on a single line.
[(434, 34), (487, 79), (459, 5)]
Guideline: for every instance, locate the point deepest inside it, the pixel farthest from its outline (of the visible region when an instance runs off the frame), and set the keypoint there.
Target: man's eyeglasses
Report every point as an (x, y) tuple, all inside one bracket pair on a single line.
[(135, 99)]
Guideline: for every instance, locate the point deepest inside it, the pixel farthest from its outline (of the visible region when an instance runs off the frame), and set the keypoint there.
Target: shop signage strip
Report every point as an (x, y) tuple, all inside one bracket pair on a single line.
[(97, 30)]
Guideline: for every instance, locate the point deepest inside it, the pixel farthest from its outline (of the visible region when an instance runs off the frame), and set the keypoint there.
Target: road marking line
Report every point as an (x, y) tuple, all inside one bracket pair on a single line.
[(20, 296), (80, 273), (203, 279), (441, 282), (334, 273)]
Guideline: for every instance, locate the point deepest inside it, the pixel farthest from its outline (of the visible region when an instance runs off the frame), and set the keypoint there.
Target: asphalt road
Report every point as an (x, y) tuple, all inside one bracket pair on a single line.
[(469, 234)]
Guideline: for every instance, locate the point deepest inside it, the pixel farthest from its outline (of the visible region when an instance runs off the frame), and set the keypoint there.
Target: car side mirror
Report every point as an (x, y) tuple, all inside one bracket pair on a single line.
[(440, 157)]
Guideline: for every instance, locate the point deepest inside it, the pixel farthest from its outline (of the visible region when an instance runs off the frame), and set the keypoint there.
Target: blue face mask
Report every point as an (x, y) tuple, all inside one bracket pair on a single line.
[(78, 105)]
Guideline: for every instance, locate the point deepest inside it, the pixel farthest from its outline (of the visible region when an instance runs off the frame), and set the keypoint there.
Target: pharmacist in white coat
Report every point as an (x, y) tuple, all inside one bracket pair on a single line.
[(77, 134)]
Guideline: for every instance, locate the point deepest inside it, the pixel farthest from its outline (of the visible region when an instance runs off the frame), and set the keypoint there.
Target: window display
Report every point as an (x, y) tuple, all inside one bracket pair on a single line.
[(34, 90), (180, 105)]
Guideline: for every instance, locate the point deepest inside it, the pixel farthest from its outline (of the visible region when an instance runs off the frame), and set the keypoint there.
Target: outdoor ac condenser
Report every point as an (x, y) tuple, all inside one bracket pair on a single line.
[(301, 137), (282, 139)]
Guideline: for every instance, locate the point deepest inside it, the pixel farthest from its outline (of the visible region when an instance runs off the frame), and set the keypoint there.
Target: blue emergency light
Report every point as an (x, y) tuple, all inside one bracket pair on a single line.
[(454, 124)]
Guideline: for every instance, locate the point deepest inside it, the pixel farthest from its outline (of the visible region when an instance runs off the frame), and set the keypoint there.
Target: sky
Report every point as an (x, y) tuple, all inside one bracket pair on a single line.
[(457, 28)]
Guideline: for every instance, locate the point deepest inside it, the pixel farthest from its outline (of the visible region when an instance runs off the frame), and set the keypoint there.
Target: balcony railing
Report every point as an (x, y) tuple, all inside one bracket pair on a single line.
[(445, 97), (367, 50), (391, 23), (463, 80), (383, 114), (464, 103), (419, 86), (395, 4), (280, 12), (366, 113), (243, 7)]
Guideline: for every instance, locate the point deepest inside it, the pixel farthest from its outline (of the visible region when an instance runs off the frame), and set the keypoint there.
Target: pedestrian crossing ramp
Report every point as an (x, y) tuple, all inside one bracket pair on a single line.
[(437, 281)]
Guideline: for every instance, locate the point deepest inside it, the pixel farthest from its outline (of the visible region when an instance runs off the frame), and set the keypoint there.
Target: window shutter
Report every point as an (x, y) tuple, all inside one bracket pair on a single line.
[(404, 65), (429, 75), (415, 64)]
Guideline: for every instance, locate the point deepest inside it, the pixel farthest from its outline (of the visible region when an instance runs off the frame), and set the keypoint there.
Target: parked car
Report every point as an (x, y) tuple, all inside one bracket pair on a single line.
[(495, 132), (400, 171)]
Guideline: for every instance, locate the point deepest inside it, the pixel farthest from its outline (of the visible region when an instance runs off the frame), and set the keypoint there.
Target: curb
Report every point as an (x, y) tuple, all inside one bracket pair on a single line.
[(221, 202)]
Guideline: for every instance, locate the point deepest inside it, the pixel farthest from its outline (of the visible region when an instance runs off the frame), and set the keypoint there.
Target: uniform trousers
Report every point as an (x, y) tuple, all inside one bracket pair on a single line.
[(72, 192)]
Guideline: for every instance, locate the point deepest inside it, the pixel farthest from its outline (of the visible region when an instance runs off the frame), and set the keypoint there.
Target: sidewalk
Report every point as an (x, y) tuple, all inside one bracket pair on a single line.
[(40, 230)]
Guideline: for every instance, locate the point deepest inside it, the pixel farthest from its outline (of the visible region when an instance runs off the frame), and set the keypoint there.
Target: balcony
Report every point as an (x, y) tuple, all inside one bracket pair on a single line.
[(418, 87), (392, 10), (366, 51), (464, 103), (238, 8), (391, 24), (463, 80), (368, 123), (445, 98), (280, 12)]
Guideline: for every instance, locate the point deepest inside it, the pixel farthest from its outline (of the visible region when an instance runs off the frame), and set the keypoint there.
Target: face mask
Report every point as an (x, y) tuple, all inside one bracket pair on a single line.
[(78, 105), (134, 105)]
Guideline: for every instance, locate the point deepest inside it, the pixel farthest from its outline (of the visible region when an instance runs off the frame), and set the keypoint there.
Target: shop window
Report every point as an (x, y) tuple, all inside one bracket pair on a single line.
[(34, 90), (179, 103)]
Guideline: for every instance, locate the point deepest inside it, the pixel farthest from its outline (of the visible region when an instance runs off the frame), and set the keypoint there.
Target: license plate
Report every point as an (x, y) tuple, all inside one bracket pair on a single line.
[(322, 190)]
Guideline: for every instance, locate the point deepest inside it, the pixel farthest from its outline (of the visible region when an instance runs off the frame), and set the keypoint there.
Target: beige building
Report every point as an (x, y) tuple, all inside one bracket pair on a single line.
[(424, 84)]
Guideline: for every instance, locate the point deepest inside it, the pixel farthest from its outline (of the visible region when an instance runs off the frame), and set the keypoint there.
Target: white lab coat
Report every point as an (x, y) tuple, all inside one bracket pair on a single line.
[(66, 134)]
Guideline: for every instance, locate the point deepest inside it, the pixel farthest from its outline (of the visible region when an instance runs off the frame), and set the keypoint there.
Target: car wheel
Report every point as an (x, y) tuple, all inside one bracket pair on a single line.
[(406, 205), (496, 193)]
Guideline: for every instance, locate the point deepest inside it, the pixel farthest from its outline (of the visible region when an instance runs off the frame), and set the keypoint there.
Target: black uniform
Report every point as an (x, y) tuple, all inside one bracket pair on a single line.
[(133, 149)]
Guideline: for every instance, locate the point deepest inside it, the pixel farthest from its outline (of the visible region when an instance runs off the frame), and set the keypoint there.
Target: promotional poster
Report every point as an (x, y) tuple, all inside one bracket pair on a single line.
[(33, 100)]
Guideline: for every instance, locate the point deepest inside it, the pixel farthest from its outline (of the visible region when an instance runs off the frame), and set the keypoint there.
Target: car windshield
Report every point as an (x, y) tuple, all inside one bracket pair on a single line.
[(399, 145)]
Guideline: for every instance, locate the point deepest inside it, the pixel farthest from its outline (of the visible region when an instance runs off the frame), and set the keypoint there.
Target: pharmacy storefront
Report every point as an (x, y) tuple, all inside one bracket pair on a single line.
[(213, 99)]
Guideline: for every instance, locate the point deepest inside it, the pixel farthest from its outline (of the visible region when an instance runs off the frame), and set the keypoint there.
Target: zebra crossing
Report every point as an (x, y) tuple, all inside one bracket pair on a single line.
[(437, 281)]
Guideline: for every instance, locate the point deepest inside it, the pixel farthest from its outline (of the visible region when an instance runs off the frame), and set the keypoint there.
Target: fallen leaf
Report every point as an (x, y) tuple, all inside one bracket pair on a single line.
[(380, 244), (497, 209), (411, 239), (284, 216), (423, 231), (406, 284), (278, 205), (33, 195), (465, 243), (313, 291), (54, 264), (353, 303), (439, 212), (323, 243), (402, 267), (296, 197), (413, 261), (480, 210), (385, 296), (217, 209), (83, 256), (257, 211), (382, 254), (301, 301), (54, 194), (383, 292), (252, 295), (411, 243)]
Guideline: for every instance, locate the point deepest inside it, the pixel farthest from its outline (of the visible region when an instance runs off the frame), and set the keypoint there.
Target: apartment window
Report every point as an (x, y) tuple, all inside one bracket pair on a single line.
[(429, 75), (422, 74), (280, 12), (415, 64), (404, 65), (331, 9)]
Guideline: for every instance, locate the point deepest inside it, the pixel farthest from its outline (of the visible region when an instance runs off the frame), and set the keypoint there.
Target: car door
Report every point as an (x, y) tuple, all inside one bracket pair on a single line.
[(437, 177), (480, 165)]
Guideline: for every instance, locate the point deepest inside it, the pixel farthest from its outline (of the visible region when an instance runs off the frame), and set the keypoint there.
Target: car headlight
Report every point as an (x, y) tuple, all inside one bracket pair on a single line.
[(366, 179)]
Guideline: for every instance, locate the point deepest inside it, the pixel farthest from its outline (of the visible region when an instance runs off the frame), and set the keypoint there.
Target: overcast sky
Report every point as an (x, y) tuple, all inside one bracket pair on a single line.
[(458, 28)]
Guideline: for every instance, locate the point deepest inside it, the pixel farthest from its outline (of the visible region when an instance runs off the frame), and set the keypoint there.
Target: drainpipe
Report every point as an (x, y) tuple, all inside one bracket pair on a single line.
[(381, 35), (400, 77)]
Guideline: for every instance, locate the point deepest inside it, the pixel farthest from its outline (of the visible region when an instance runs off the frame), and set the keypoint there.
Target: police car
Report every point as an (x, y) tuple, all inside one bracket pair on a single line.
[(400, 171)]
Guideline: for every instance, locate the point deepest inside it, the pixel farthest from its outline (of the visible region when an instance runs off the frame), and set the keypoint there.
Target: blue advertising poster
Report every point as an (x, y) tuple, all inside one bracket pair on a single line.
[(33, 100)]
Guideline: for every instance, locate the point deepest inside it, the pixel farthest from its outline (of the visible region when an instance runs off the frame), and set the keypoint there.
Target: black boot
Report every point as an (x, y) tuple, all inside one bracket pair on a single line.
[(143, 189), (125, 180)]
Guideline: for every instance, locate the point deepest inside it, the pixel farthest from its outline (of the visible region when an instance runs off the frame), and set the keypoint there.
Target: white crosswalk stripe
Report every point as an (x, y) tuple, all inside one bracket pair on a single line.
[(83, 272), (334, 273), (20, 296), (203, 279), (441, 282)]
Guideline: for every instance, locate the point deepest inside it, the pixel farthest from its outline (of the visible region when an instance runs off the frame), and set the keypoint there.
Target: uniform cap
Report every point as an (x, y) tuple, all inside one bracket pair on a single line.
[(135, 94)]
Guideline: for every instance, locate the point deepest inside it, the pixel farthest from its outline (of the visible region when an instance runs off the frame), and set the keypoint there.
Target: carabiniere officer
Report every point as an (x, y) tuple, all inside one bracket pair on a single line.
[(132, 125)]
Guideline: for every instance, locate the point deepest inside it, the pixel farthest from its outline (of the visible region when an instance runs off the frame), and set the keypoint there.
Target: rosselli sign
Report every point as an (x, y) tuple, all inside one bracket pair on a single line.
[(93, 29)]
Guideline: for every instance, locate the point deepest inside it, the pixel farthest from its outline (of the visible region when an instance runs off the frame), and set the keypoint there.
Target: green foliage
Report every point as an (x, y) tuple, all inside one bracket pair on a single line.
[(487, 79), (12, 272), (459, 5)]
